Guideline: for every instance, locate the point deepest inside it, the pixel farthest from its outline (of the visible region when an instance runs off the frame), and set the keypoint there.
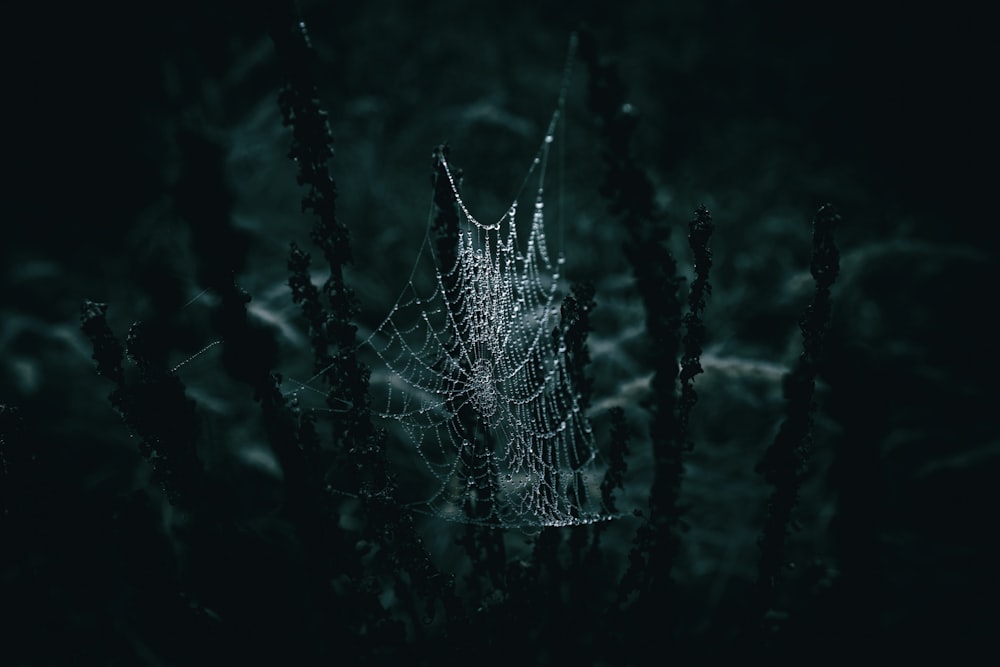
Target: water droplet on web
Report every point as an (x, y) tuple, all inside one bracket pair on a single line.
[(484, 345)]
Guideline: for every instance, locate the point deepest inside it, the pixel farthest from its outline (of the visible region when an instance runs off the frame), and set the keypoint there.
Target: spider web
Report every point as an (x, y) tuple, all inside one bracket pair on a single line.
[(475, 372)]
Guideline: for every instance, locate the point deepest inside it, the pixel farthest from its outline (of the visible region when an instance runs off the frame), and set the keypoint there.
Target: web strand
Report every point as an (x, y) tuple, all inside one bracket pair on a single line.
[(475, 372)]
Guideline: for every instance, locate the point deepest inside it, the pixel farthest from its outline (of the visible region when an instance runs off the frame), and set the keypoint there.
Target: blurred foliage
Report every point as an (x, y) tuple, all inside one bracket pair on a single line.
[(150, 165)]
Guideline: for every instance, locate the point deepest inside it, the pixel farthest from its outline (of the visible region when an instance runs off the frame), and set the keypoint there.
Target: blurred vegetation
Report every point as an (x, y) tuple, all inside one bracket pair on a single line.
[(150, 172)]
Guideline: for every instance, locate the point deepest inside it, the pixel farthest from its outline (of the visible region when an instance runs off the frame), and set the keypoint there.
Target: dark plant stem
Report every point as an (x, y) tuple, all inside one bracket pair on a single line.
[(701, 229), (330, 315), (784, 462), (155, 408), (446, 219), (630, 194), (574, 323), (332, 331), (614, 478)]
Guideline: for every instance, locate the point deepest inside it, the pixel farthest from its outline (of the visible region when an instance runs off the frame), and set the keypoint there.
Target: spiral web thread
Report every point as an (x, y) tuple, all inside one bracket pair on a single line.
[(476, 376)]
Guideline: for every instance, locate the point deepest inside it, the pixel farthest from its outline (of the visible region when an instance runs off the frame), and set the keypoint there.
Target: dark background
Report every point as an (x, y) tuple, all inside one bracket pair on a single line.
[(763, 111)]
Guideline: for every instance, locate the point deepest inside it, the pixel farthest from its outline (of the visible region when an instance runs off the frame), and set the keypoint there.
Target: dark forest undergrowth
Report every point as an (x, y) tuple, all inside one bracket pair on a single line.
[(155, 179)]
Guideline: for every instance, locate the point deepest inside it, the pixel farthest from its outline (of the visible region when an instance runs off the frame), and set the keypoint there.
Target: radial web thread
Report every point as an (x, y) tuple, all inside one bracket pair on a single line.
[(475, 373)]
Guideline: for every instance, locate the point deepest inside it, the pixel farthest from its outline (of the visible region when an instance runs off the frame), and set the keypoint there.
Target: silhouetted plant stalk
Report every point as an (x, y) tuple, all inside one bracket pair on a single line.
[(630, 194), (155, 407), (700, 234), (574, 324), (332, 331), (445, 225), (784, 463), (250, 351), (573, 328), (329, 314), (614, 475)]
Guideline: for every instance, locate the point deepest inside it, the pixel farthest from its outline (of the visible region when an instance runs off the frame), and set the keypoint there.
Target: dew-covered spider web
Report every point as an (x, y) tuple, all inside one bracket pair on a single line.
[(474, 368)]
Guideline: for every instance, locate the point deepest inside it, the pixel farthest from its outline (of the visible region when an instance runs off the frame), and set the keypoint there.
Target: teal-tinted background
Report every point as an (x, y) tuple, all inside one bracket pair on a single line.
[(762, 111)]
